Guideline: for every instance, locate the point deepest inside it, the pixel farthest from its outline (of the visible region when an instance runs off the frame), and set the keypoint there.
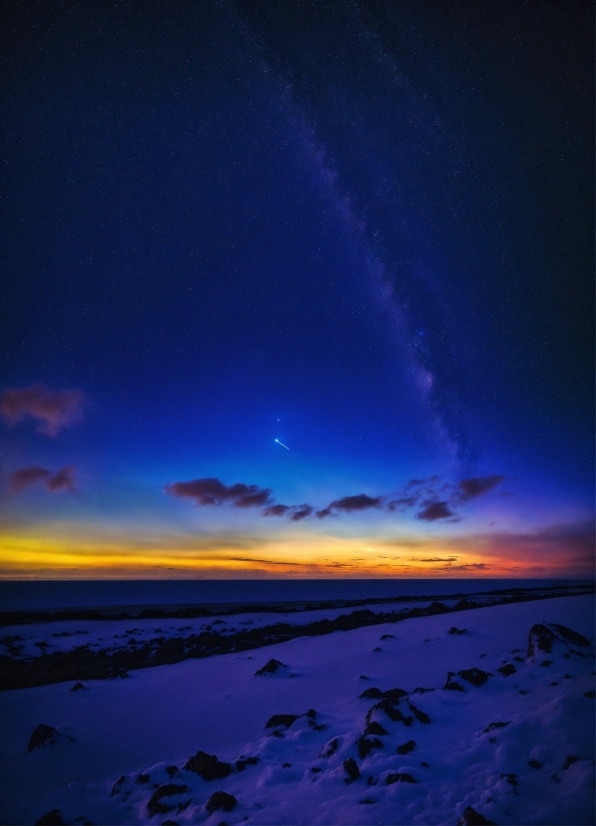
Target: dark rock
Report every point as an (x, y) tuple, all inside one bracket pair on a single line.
[(155, 806), (270, 668), (366, 745), (244, 762), (378, 648), (454, 630), (330, 748), (276, 734), (388, 637), (570, 636), (451, 685), (494, 726), (507, 670), (535, 764), (546, 663), (420, 690), (425, 764), (143, 778), (311, 713), (406, 748), (590, 694), (172, 771), (116, 787), (315, 770), (286, 765), (78, 687), (375, 728), (421, 716), (367, 800), (474, 676), (399, 777), (511, 778), (437, 608), (392, 711), (41, 735), (394, 694), (169, 823), (282, 720), (371, 694), (518, 659), (51, 818), (221, 800), (569, 761), (208, 766), (540, 638), (463, 605), (471, 817), (351, 769)]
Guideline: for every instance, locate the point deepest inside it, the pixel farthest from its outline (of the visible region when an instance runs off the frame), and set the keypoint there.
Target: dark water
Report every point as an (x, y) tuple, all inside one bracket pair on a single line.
[(55, 594)]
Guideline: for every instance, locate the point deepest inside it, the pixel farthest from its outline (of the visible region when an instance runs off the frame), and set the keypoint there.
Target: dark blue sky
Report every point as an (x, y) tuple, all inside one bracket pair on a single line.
[(364, 229)]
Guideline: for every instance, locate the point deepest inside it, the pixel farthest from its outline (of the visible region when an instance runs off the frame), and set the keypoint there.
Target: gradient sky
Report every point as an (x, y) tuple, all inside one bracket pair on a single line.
[(363, 229)]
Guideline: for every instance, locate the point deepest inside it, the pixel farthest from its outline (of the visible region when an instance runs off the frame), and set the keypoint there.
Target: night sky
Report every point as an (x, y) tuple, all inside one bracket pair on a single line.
[(362, 229)]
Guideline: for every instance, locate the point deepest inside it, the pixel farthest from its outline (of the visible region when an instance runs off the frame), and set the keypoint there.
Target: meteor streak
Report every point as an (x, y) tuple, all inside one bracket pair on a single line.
[(281, 443)]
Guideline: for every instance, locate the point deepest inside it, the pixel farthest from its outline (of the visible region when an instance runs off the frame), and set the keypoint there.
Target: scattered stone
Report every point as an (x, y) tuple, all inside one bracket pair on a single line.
[(311, 713), (474, 676), (494, 726), (315, 770), (244, 762), (569, 761), (155, 806), (451, 685), (420, 690), (172, 771), (375, 728), (454, 630), (221, 800), (367, 800), (143, 778), (388, 637), (362, 677), (507, 670), (406, 748), (276, 734), (471, 817), (518, 659), (79, 687), (169, 823), (270, 668), (399, 777), (426, 766), (351, 769), (282, 720), (371, 693), (51, 818), (546, 663), (208, 766), (394, 694), (41, 735), (590, 694), (330, 748), (117, 785), (511, 778), (286, 765), (421, 716), (392, 711), (378, 648), (535, 764), (366, 745)]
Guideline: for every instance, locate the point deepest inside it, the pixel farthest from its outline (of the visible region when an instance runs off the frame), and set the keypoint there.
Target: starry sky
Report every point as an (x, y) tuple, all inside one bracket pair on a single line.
[(298, 289)]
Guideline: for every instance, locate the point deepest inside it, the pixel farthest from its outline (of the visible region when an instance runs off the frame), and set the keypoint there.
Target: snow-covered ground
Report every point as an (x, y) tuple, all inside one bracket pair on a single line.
[(536, 768)]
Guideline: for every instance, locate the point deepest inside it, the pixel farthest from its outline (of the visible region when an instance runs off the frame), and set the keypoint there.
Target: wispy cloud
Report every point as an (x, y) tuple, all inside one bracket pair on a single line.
[(52, 409), (63, 479)]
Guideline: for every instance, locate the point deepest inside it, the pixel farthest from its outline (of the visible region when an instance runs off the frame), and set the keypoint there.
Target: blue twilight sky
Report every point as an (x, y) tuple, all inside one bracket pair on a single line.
[(364, 230)]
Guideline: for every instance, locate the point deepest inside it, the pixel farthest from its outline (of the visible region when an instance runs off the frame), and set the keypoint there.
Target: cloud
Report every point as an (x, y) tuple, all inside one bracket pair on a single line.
[(435, 510), (211, 491), (63, 479), (476, 486), (436, 559), (295, 512), (348, 504), (470, 566), (53, 409)]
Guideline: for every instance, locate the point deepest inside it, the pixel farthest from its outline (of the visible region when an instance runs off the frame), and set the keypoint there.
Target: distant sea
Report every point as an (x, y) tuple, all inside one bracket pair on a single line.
[(45, 594)]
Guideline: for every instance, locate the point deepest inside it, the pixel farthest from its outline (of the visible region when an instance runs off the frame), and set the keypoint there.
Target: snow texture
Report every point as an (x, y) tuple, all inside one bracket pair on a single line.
[(210, 741)]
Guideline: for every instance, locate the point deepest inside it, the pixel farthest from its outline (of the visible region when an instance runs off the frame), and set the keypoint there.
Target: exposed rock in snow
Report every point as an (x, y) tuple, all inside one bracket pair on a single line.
[(43, 736), (471, 817), (270, 668), (221, 800), (208, 766)]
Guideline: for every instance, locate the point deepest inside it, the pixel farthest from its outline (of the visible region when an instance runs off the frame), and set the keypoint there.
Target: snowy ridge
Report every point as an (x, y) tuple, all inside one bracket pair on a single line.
[(496, 715)]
